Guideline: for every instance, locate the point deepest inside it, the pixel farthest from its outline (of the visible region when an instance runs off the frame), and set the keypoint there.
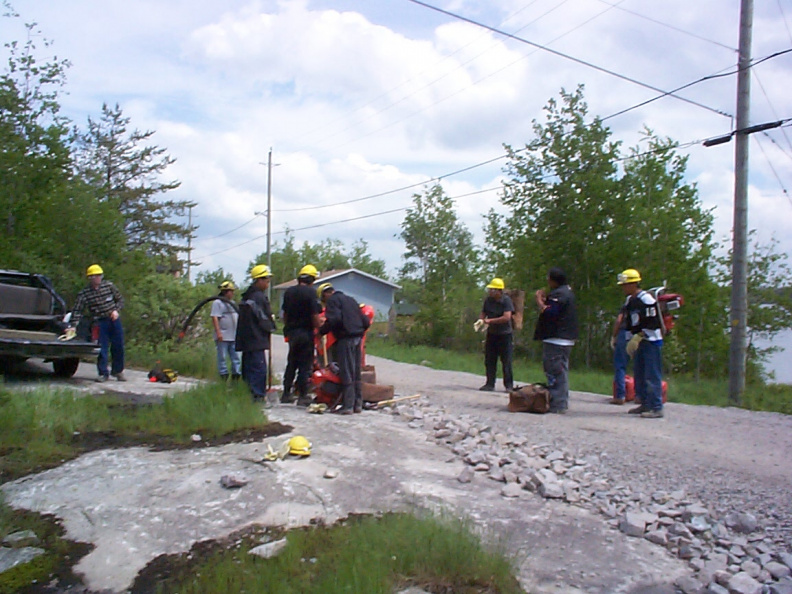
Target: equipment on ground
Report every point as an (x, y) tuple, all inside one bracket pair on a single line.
[(299, 446), (533, 398), (629, 389), (93, 270)]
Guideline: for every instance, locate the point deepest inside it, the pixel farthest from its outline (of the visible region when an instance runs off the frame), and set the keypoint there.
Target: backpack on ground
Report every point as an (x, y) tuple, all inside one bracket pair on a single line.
[(533, 398)]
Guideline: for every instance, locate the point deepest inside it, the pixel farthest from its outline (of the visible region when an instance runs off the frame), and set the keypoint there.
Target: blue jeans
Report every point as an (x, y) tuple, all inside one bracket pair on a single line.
[(649, 375), (555, 360), (254, 372), (620, 360), (226, 348), (111, 338)]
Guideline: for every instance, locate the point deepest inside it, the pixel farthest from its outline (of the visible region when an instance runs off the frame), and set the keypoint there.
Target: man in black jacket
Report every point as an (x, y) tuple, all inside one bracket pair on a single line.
[(344, 319), (557, 328), (300, 318), (253, 331)]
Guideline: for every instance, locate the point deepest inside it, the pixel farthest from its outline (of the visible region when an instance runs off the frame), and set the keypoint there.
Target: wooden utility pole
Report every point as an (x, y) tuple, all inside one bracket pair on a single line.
[(189, 242), (269, 218), (738, 314)]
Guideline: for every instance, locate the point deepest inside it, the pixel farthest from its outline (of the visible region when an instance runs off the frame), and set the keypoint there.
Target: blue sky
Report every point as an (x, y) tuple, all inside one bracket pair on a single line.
[(361, 97)]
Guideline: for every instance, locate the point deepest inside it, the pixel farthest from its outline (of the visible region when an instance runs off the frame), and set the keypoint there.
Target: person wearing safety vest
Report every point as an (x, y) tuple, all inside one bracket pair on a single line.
[(644, 345), (300, 318), (496, 317), (104, 301), (254, 328)]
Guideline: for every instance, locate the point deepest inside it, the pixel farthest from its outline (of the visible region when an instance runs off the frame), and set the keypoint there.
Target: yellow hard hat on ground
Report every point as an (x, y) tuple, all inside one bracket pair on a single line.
[(299, 446), (93, 270), (260, 271), (309, 270), (631, 275), (322, 288), (496, 283)]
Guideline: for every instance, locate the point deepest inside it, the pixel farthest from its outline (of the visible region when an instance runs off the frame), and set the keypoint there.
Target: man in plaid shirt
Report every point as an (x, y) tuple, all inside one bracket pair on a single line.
[(103, 301)]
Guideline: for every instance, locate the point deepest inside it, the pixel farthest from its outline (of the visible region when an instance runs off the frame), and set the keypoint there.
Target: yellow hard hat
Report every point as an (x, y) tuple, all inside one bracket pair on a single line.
[(93, 270), (309, 270), (226, 286), (496, 283), (322, 288), (260, 271), (631, 275), (299, 446)]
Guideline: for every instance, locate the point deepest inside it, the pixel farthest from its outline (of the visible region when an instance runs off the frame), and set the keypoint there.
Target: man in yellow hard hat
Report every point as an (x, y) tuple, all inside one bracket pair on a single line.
[(224, 321), (496, 316), (104, 302), (645, 344), (254, 328), (300, 320)]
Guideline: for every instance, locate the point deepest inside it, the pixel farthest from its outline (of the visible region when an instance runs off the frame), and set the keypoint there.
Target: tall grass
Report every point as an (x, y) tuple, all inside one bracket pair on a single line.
[(42, 428), (364, 554), (689, 390)]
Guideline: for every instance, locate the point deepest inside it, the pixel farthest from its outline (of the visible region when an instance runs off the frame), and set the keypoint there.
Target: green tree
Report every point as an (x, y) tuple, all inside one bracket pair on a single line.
[(124, 171)]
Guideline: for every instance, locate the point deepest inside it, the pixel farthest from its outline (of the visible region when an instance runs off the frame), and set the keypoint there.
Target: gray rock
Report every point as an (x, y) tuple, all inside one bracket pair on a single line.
[(12, 557), (689, 585), (632, 524), (786, 559), (698, 524), (777, 570), (23, 538), (551, 490), (269, 549), (742, 522), (714, 588), (330, 473), (779, 588), (751, 568), (466, 475), (659, 537), (230, 481), (512, 490), (742, 583)]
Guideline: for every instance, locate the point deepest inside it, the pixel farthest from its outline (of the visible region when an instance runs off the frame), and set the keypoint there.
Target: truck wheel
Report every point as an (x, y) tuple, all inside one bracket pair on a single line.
[(66, 367)]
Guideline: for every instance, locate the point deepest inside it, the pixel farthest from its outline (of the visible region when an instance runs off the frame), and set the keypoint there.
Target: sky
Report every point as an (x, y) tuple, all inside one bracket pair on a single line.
[(363, 103)]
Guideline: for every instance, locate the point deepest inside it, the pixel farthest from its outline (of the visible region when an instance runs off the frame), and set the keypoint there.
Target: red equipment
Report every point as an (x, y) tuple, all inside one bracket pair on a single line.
[(629, 388)]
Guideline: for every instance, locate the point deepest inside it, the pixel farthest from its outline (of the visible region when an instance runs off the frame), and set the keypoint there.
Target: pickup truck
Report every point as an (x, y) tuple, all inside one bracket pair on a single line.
[(32, 318)]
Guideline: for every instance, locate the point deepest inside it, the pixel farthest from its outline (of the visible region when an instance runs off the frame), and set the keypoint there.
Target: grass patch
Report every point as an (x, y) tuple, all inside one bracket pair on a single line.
[(194, 360), (688, 390), (363, 554), (42, 428)]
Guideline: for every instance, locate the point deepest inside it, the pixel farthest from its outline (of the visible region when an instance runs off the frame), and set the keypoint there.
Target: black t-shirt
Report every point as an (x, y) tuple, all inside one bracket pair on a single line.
[(299, 307), (495, 308)]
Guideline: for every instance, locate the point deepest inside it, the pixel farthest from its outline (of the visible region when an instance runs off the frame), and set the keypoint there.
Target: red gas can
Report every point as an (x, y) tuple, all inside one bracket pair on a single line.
[(629, 388)]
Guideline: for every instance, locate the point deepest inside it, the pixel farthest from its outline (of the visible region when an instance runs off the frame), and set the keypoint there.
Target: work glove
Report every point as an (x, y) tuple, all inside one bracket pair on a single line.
[(480, 326), (317, 408), (68, 334), (278, 454), (613, 343), (633, 344)]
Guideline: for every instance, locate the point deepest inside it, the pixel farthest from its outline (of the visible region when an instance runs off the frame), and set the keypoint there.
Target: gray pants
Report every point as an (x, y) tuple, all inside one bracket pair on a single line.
[(348, 358), (555, 360)]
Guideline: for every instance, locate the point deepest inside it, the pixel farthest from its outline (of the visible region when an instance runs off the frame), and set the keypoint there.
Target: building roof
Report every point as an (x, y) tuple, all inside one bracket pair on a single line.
[(328, 275)]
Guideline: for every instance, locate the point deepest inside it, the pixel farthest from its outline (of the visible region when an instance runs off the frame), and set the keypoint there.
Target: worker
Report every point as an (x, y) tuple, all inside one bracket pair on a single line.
[(644, 345), (496, 316), (224, 321), (254, 328), (104, 302), (557, 328), (301, 318), (618, 345), (348, 324)]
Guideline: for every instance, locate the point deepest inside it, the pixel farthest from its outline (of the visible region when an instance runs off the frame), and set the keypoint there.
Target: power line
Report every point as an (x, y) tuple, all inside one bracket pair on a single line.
[(568, 57), (775, 173)]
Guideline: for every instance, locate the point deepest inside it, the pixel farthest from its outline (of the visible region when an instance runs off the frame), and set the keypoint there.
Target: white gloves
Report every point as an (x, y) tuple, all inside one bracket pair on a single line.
[(480, 326), (68, 334)]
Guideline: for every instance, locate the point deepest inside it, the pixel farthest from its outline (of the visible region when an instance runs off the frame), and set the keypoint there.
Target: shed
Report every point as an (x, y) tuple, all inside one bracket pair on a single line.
[(364, 287)]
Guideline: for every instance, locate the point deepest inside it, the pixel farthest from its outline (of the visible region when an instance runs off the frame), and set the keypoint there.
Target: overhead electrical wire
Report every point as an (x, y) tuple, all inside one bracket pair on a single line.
[(773, 169), (569, 57)]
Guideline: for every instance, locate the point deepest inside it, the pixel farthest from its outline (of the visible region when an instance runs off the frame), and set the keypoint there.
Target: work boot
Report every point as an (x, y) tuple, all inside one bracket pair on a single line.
[(287, 398), (652, 414), (120, 376), (637, 410), (617, 401), (304, 401), (101, 379), (487, 388)]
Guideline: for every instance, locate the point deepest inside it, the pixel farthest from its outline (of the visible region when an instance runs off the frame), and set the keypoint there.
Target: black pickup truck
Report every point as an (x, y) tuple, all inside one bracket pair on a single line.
[(32, 317)]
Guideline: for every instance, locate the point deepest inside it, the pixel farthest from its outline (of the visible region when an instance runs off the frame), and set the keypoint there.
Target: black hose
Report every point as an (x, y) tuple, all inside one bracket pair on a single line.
[(198, 307)]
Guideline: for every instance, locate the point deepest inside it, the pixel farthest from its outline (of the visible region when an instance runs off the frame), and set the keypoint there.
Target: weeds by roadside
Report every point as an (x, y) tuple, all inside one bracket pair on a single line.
[(364, 554)]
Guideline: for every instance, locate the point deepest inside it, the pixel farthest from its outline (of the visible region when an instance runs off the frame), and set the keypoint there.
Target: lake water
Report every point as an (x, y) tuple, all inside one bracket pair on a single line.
[(781, 362)]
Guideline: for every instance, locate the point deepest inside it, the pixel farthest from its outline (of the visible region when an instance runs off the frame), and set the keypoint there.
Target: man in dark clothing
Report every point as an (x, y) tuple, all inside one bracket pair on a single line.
[(496, 315), (300, 317), (344, 319), (557, 328), (253, 331)]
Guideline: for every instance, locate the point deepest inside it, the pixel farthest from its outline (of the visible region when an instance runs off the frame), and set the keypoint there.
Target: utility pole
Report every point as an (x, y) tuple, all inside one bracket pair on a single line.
[(269, 219), (189, 241), (738, 313)]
